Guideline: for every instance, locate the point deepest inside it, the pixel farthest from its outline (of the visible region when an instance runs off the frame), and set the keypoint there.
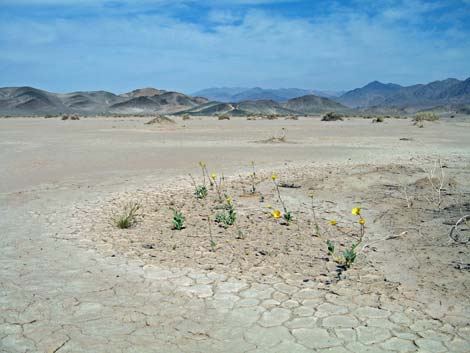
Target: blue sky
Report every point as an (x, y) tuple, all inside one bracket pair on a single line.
[(186, 45)]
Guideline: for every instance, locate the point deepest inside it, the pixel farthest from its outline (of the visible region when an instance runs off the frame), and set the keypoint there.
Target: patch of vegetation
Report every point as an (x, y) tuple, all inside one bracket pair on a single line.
[(229, 216), (223, 117), (332, 116), (178, 219), (128, 217), (160, 119), (425, 116), (379, 119)]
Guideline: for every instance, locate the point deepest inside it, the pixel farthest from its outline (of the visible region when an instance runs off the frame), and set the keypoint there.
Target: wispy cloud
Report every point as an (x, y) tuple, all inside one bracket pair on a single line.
[(239, 43)]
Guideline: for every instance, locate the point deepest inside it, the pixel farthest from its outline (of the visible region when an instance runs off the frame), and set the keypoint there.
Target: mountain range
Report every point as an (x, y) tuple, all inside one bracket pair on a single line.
[(384, 98), (450, 93), (33, 101), (240, 94)]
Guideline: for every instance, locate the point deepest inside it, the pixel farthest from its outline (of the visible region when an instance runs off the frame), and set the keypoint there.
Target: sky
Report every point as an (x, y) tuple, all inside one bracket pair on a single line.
[(187, 45)]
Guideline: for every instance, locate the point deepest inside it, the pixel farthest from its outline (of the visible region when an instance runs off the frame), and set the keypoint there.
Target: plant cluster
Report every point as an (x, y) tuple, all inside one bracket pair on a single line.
[(178, 219), (128, 217), (348, 256), (228, 216), (286, 215)]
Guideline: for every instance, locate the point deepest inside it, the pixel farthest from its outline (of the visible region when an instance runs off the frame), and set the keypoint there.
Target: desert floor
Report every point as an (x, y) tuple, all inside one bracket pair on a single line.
[(70, 281)]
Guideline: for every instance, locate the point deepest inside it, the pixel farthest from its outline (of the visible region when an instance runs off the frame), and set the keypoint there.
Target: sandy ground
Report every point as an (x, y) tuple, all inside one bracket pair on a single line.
[(72, 282)]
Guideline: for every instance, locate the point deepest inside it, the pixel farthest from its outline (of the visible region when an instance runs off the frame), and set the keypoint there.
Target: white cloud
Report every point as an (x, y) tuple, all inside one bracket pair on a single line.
[(342, 50)]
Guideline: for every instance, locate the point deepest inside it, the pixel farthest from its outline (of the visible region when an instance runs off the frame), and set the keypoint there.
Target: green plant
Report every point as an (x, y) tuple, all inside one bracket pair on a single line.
[(224, 117), (332, 116), (288, 217), (200, 191), (229, 216), (331, 247), (128, 217), (212, 242), (178, 219), (315, 223), (425, 116), (349, 256), (253, 178), (218, 184)]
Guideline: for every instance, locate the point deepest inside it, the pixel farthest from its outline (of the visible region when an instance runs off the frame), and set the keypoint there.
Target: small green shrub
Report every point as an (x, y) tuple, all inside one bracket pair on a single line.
[(349, 256), (128, 217), (425, 116), (200, 192), (224, 117), (229, 216), (178, 219), (331, 116), (379, 119), (331, 247)]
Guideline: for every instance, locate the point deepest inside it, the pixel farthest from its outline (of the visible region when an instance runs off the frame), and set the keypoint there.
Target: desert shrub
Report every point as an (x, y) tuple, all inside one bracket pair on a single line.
[(379, 119), (160, 119), (128, 217), (292, 117), (70, 117), (224, 117), (332, 116), (272, 116), (178, 219), (229, 216), (186, 117), (425, 116)]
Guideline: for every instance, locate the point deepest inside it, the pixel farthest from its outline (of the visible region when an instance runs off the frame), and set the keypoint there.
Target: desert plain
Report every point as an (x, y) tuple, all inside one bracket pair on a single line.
[(71, 281)]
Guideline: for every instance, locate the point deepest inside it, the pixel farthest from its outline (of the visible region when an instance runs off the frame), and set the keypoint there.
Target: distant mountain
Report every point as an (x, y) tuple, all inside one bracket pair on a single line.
[(239, 94), (222, 94), (312, 104), (371, 94), (309, 104), (445, 93), (33, 101), (143, 92)]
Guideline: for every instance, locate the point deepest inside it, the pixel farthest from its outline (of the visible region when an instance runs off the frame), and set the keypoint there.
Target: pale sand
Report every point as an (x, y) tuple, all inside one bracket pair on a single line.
[(70, 279)]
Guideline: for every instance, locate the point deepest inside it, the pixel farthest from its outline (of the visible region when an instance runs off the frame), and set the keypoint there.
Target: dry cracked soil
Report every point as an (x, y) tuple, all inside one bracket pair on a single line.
[(70, 281)]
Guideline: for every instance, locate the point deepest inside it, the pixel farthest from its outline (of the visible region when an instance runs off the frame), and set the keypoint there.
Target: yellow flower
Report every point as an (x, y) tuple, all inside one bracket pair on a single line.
[(269, 206), (311, 195), (202, 164), (276, 214), (333, 222), (273, 177), (252, 175), (213, 176), (229, 200), (356, 211), (362, 221)]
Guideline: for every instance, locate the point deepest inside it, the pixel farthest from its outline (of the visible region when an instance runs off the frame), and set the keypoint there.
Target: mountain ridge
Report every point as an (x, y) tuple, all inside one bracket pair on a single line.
[(445, 92)]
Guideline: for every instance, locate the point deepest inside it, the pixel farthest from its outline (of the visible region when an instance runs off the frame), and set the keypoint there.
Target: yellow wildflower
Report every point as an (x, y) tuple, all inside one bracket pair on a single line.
[(311, 195), (276, 214), (229, 200), (202, 164), (333, 222), (356, 211), (273, 177), (213, 176), (252, 175), (362, 221)]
